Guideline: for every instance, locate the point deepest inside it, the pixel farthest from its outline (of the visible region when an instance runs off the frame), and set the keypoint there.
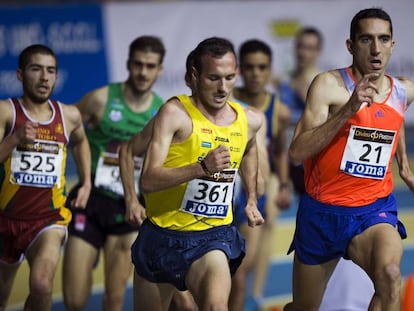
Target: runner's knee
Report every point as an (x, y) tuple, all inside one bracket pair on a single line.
[(390, 281)]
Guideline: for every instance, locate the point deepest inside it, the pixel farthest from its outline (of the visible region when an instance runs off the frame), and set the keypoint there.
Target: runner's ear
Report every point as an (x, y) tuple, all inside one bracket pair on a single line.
[(349, 45)]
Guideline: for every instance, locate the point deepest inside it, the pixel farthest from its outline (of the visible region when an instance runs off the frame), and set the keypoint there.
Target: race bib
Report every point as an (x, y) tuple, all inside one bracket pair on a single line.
[(38, 164), (368, 152), (107, 175), (210, 196)]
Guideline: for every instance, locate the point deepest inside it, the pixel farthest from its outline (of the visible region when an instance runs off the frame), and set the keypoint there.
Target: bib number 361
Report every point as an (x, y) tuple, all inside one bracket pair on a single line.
[(210, 197)]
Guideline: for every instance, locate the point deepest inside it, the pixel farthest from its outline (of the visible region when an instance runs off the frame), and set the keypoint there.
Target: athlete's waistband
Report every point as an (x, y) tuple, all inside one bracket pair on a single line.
[(389, 200)]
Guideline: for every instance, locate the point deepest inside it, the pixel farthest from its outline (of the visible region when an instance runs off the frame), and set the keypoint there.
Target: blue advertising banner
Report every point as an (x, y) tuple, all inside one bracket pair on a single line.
[(74, 32)]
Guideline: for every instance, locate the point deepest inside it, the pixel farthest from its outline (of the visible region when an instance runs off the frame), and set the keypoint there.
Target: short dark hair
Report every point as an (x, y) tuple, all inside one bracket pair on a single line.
[(310, 30), (215, 47), (368, 13), (147, 44), (28, 52), (253, 46)]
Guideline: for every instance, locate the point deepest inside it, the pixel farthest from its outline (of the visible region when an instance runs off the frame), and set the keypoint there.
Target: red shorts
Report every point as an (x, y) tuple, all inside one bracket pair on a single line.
[(17, 235)]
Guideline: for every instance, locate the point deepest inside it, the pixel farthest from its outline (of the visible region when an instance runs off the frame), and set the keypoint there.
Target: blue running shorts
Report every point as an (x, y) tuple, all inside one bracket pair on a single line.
[(164, 256), (323, 231)]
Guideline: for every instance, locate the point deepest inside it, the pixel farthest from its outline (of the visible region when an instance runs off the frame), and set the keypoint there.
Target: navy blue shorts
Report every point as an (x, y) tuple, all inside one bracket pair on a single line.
[(240, 201), (102, 216), (164, 256), (323, 231)]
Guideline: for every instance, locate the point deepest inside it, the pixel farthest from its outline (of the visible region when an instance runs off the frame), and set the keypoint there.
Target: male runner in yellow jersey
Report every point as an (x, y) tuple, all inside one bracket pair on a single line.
[(198, 144)]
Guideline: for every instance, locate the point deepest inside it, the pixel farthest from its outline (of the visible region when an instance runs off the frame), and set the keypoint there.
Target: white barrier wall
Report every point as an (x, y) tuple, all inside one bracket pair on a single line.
[(91, 41), (181, 25)]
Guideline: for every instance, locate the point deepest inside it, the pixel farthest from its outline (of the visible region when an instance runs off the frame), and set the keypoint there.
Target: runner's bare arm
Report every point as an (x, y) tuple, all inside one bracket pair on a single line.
[(81, 153)]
